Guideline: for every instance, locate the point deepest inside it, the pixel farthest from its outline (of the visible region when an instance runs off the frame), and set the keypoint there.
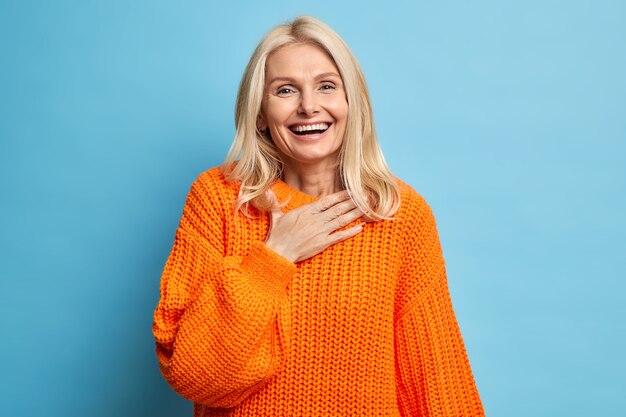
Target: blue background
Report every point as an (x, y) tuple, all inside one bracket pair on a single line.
[(509, 117)]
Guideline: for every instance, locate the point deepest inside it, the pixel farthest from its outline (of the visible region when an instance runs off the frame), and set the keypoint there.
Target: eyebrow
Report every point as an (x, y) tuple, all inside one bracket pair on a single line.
[(317, 77)]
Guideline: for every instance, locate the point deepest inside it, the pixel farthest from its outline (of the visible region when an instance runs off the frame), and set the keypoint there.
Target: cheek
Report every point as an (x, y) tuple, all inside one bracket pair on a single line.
[(276, 113), (339, 110)]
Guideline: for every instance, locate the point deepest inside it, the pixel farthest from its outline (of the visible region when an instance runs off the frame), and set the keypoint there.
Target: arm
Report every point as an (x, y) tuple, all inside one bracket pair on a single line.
[(217, 325), (433, 372)]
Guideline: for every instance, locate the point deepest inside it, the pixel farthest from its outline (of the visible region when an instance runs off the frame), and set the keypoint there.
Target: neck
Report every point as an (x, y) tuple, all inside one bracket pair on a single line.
[(317, 181)]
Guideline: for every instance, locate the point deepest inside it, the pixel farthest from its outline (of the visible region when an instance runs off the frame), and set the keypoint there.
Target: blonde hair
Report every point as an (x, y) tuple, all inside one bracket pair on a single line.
[(253, 158)]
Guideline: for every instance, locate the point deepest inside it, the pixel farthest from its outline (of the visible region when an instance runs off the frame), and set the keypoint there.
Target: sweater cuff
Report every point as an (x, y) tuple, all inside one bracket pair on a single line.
[(261, 261)]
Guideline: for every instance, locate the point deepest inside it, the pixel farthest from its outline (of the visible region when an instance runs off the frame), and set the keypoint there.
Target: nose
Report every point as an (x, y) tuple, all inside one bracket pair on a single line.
[(308, 103)]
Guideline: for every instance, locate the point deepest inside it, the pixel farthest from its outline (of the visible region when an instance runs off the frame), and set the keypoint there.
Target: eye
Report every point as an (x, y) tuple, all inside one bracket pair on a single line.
[(283, 91), (327, 87)]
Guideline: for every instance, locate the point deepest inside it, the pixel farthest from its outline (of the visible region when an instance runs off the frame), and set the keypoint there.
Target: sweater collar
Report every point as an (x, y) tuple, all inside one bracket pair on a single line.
[(293, 197)]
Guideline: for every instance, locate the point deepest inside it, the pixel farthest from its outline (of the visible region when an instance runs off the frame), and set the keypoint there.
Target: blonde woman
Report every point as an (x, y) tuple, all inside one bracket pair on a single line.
[(305, 279)]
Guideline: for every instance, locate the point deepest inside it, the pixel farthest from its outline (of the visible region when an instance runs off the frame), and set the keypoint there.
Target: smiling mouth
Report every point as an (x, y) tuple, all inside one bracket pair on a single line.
[(305, 130)]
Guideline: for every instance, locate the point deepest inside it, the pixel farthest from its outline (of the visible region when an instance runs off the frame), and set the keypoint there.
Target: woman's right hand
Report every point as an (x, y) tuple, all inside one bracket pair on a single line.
[(308, 230)]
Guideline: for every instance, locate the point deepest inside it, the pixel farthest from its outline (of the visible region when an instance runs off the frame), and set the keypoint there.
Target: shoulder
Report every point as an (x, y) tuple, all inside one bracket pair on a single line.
[(212, 183), (214, 178), (413, 205), (211, 192), (419, 230), (416, 221)]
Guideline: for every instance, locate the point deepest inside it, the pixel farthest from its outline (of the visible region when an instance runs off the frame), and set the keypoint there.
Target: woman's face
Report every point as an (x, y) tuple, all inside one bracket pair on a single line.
[(304, 105)]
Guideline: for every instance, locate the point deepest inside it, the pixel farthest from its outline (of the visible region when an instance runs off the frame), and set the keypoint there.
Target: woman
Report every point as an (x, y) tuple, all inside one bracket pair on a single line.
[(278, 299)]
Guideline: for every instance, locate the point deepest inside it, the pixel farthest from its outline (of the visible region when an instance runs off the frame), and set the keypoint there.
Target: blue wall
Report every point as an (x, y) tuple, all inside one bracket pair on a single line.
[(509, 117)]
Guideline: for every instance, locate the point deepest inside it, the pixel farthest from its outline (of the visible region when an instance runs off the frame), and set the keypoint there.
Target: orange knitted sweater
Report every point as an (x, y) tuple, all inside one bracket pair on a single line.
[(365, 328)]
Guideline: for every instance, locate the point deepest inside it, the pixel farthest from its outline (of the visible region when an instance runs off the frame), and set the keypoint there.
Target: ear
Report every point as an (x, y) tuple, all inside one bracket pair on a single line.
[(261, 124)]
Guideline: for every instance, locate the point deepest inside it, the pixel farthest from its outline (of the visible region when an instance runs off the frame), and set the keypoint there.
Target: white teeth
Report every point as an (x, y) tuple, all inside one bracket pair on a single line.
[(318, 126)]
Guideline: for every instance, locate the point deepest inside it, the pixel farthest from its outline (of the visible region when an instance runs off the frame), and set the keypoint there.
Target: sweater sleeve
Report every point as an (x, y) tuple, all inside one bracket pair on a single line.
[(434, 377), (217, 324)]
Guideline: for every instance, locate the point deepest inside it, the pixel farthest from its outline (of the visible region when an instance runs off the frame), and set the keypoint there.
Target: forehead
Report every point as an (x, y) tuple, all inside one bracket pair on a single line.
[(299, 59)]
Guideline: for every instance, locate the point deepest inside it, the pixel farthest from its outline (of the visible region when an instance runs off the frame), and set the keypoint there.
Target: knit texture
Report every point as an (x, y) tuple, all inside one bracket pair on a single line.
[(365, 328)]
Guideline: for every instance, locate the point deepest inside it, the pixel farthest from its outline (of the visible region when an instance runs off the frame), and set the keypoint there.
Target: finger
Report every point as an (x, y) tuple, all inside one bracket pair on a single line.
[(331, 200), (339, 209), (345, 219), (271, 196), (275, 214), (346, 234)]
